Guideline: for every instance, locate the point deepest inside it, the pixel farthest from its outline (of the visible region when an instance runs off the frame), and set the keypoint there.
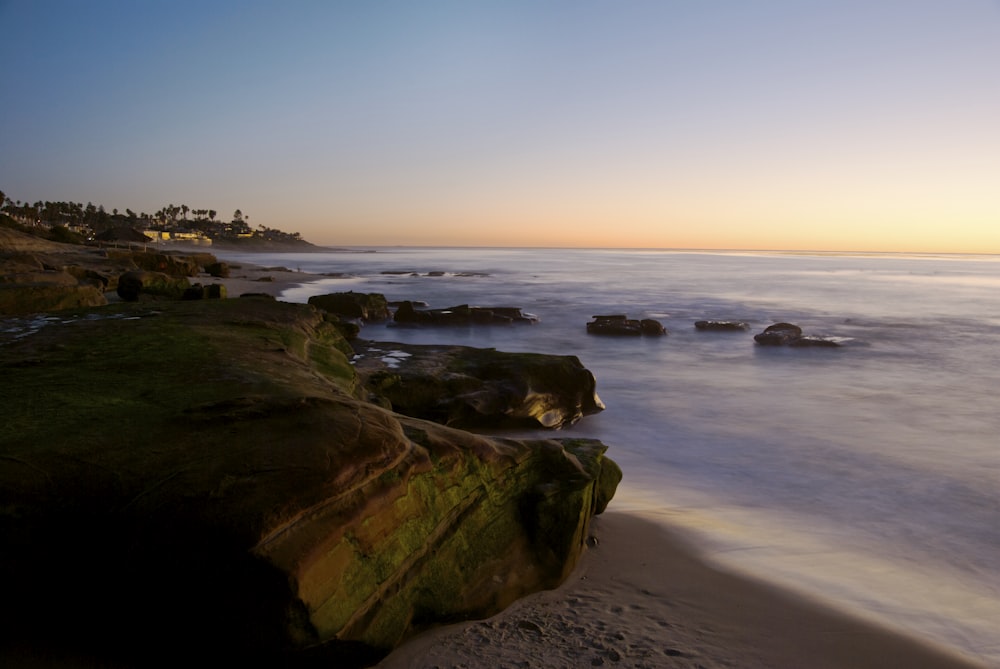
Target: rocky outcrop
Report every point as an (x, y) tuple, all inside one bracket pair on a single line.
[(722, 326), (469, 387), (29, 284), (363, 306), (787, 334), (461, 315), (30, 298), (621, 325), (136, 284), (217, 488)]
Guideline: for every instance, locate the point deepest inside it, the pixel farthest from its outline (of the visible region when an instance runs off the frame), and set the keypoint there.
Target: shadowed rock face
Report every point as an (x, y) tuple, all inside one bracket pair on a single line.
[(469, 387), (203, 478)]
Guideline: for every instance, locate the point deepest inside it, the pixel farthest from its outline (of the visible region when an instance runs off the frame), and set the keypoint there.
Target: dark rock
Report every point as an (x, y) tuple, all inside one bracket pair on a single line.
[(469, 387), (215, 291), (236, 502), (722, 326), (620, 325), (86, 275), (364, 306), (170, 264), (131, 285), (778, 334), (218, 269), (460, 315), (787, 334), (20, 299)]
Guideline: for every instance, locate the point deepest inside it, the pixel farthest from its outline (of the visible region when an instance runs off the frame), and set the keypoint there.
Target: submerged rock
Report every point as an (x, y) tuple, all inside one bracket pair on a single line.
[(621, 325), (722, 326), (462, 314), (237, 501)]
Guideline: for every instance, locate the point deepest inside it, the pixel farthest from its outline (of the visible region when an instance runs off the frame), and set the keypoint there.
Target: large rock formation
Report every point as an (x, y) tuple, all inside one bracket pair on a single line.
[(201, 480), (470, 387)]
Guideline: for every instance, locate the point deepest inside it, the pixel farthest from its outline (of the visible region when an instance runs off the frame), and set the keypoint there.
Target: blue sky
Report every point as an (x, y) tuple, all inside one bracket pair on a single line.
[(723, 124)]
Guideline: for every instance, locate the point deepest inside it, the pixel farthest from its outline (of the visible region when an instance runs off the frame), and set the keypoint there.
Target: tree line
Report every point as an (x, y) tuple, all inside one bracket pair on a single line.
[(91, 220)]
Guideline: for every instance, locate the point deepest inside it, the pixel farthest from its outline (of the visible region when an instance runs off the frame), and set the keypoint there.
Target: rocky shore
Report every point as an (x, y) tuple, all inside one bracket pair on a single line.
[(208, 476), (216, 481)]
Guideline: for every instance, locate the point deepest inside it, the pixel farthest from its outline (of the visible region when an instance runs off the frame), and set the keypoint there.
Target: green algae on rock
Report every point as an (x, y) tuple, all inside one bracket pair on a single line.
[(181, 477)]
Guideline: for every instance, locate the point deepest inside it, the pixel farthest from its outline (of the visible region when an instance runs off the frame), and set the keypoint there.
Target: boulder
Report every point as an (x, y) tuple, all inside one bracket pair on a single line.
[(468, 387), (722, 326), (132, 285), (217, 269), (227, 495), (363, 306), (622, 325), (778, 334), (197, 291), (460, 315), (787, 334)]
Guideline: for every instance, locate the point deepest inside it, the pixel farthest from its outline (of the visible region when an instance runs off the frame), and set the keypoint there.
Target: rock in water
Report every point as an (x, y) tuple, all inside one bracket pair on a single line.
[(722, 326), (786, 334), (216, 489), (470, 387), (621, 325)]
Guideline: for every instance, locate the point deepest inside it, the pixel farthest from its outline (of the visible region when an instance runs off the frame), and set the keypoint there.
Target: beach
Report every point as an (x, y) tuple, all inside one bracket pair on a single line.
[(642, 596)]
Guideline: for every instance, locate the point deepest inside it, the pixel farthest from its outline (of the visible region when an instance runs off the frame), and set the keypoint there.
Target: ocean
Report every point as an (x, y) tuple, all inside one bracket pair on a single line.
[(865, 476)]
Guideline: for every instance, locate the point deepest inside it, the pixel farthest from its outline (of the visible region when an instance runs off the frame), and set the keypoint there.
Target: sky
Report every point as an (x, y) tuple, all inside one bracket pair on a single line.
[(843, 125)]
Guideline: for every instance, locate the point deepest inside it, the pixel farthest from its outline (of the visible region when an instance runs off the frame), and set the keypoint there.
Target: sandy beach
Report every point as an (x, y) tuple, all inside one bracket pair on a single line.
[(642, 597)]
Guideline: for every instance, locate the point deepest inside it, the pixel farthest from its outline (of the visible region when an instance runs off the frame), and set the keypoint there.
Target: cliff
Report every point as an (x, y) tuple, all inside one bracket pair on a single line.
[(203, 477)]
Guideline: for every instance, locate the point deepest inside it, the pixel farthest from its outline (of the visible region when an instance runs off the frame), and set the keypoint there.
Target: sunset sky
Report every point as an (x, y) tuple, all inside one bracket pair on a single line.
[(739, 124)]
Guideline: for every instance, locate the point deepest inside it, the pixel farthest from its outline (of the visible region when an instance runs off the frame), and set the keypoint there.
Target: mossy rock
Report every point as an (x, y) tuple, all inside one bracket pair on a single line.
[(202, 478), (363, 306)]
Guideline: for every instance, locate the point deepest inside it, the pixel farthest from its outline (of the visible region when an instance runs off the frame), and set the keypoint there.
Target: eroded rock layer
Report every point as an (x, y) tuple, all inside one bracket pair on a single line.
[(204, 477)]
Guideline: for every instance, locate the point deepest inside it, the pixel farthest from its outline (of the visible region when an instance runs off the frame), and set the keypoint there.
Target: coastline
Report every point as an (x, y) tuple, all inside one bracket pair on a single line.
[(644, 598)]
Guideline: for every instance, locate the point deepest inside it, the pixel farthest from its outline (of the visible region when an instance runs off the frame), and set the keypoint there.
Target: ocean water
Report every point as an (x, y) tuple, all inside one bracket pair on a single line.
[(866, 476)]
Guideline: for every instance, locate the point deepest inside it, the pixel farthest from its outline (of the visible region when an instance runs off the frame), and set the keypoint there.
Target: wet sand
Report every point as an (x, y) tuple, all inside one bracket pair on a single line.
[(643, 598)]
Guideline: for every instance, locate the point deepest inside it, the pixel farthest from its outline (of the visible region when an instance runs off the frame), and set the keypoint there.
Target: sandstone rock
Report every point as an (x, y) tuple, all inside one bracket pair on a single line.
[(469, 387), (461, 315), (170, 264), (621, 325), (132, 285), (19, 299), (235, 502), (364, 306), (722, 326)]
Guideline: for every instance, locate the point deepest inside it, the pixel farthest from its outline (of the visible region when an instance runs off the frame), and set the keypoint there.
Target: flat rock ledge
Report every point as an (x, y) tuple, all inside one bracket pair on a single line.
[(205, 481)]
